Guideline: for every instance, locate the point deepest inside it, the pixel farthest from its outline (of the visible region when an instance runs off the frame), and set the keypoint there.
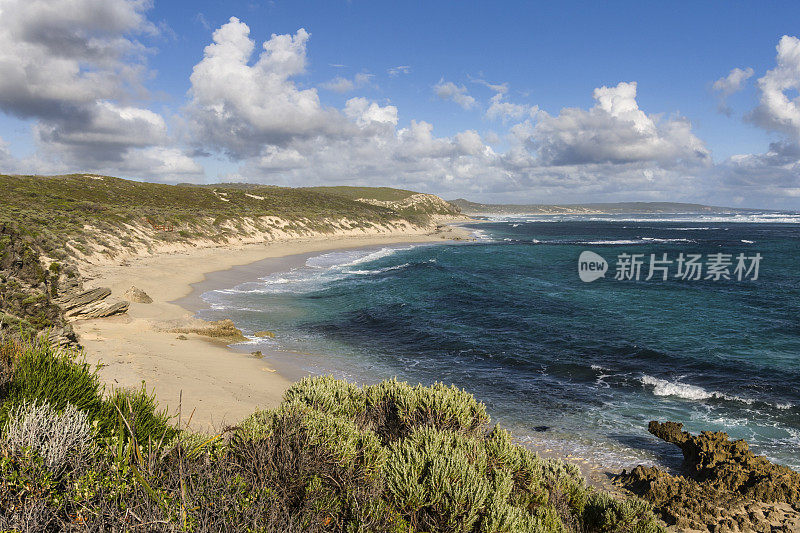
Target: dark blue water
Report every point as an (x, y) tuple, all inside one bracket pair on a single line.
[(580, 367)]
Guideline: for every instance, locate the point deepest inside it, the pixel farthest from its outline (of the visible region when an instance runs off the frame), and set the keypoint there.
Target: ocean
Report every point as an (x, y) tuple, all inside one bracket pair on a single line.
[(576, 367)]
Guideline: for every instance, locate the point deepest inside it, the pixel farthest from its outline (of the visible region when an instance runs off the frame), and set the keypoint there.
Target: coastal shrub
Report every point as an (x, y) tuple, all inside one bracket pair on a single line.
[(141, 411), (333, 457), (61, 439), (605, 513), (435, 478), (45, 374), (393, 409), (316, 463)]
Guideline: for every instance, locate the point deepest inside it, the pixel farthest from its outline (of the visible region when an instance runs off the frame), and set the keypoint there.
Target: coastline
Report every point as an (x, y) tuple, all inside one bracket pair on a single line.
[(212, 385)]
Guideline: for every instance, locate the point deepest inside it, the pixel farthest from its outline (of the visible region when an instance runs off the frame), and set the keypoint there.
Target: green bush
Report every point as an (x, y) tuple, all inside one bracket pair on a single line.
[(44, 374), (608, 514), (317, 464), (141, 412), (392, 408)]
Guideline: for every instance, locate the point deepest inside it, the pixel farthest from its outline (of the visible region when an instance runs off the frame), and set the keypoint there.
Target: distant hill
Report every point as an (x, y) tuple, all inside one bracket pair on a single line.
[(80, 215), (473, 208)]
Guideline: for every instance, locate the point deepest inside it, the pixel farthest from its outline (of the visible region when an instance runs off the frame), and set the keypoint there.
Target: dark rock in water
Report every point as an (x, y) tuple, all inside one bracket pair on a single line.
[(541, 429), (724, 486)]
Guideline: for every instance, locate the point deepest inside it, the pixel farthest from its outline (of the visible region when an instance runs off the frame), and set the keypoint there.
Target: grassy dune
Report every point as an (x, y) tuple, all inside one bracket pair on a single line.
[(333, 457), (79, 209)]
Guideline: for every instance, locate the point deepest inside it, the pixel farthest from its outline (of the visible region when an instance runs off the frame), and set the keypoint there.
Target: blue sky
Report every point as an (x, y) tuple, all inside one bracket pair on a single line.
[(500, 101)]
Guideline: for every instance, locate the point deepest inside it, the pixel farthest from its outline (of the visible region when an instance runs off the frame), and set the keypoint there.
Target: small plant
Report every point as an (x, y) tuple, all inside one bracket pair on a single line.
[(63, 439)]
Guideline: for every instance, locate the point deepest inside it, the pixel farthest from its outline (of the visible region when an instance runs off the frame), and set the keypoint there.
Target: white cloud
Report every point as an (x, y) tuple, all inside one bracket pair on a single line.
[(733, 82), (447, 90), (776, 110), (776, 172), (501, 88), (396, 71), (730, 84), (616, 131), (68, 65), (505, 111), (79, 79), (340, 84), (363, 112), (240, 108)]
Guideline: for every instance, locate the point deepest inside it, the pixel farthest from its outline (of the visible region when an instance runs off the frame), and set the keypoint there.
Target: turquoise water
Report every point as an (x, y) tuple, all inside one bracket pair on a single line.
[(579, 367)]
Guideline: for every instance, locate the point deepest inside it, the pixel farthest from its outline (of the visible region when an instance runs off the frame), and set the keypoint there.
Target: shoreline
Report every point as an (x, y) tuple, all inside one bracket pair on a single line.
[(212, 383)]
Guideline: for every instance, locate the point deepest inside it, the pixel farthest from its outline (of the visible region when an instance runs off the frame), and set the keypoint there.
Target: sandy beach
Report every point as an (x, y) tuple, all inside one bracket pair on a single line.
[(213, 385)]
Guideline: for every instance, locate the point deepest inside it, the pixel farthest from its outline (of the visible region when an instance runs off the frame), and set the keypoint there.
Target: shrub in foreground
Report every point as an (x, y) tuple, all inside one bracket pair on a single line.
[(333, 457)]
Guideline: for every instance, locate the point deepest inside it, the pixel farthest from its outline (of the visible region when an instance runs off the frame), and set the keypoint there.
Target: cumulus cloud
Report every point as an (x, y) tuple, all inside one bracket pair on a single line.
[(340, 84), (68, 65), (239, 108), (505, 111), (730, 84), (776, 172), (447, 90), (245, 103), (777, 111), (616, 131), (249, 106), (363, 112)]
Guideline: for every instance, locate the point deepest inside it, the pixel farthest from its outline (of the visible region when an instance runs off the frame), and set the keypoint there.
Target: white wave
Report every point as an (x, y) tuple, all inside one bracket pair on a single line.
[(662, 387), (747, 242), (659, 240), (752, 218), (620, 241), (699, 228), (351, 257), (377, 270), (481, 235)]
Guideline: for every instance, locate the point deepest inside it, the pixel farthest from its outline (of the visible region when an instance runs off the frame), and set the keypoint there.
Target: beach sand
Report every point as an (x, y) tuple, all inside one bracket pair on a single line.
[(211, 384)]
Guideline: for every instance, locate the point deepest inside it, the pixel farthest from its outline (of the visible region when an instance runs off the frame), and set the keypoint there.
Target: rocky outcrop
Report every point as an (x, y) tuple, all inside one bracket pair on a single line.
[(83, 299), (93, 304), (723, 485), (137, 295)]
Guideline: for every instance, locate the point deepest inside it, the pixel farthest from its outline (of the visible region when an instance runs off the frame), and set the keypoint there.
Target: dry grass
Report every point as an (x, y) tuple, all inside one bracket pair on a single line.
[(223, 330)]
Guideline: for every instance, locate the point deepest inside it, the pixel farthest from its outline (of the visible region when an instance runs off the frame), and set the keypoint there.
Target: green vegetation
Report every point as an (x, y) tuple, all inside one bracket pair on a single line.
[(26, 287), (383, 194), (82, 209), (333, 457)]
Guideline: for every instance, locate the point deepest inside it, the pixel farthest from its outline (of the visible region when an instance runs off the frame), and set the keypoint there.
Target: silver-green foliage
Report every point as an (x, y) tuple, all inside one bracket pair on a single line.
[(393, 408), (62, 439), (430, 461)]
